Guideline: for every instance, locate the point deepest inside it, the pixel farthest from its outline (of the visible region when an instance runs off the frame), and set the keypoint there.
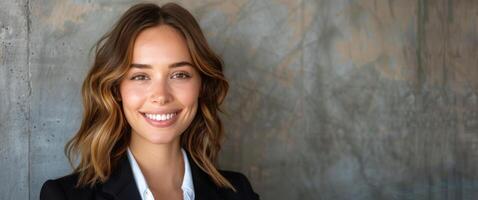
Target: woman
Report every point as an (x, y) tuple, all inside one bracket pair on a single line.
[(150, 128)]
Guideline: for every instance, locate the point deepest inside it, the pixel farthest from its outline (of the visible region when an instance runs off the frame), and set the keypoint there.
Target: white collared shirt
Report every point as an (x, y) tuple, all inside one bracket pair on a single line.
[(146, 194)]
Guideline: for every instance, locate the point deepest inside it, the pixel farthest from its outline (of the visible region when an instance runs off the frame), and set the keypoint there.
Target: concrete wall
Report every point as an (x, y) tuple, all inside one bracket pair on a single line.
[(329, 99)]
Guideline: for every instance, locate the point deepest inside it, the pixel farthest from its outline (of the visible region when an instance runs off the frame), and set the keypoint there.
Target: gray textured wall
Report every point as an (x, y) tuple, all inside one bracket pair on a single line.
[(329, 99)]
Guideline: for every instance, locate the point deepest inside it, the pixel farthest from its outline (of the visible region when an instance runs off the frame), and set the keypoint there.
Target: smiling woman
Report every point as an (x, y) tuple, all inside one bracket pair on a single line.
[(150, 128), (161, 90)]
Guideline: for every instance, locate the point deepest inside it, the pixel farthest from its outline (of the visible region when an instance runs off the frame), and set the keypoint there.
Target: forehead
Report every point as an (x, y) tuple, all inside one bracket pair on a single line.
[(161, 44)]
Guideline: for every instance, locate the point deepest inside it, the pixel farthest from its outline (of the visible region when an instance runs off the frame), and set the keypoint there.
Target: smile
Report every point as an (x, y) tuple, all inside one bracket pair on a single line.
[(160, 117), (161, 120)]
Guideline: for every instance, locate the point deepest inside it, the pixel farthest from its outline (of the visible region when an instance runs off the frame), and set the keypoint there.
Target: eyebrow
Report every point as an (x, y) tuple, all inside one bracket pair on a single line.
[(173, 65)]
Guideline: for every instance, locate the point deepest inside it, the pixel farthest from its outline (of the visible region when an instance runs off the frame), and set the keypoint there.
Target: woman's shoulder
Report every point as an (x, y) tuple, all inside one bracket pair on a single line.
[(235, 177), (241, 184), (64, 188), (68, 180)]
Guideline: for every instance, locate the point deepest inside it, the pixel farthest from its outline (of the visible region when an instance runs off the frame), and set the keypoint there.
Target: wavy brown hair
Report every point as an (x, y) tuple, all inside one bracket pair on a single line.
[(104, 134)]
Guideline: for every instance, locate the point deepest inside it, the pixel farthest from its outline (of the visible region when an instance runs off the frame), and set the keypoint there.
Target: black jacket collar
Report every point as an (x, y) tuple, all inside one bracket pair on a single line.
[(121, 184), (204, 188)]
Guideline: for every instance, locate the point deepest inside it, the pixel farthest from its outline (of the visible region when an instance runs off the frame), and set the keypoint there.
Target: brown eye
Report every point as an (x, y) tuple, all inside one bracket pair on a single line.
[(181, 75), (139, 77)]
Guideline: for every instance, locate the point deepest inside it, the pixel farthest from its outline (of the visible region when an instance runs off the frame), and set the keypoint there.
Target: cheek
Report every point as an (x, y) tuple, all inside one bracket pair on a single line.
[(187, 94), (131, 96)]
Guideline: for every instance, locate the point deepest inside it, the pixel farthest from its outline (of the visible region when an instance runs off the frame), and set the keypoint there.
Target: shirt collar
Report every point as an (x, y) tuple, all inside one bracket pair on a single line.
[(187, 185)]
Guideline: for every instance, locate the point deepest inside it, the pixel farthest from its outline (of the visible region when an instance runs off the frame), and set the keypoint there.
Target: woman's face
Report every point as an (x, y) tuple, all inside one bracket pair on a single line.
[(161, 89)]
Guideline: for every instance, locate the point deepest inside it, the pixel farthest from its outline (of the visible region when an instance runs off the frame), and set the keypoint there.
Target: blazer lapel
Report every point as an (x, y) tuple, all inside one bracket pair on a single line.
[(204, 188), (121, 184)]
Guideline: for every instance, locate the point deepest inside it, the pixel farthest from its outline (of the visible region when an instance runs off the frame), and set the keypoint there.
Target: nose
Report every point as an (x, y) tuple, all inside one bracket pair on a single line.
[(159, 92)]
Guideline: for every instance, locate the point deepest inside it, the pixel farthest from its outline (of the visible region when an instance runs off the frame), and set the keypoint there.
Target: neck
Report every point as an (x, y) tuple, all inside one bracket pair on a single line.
[(162, 165)]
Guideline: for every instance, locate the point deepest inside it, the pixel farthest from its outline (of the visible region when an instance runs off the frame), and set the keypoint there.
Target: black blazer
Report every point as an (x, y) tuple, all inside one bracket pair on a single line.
[(122, 186)]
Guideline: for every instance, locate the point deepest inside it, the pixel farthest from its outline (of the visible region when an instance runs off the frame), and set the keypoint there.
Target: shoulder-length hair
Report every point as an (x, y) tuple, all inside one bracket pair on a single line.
[(104, 134)]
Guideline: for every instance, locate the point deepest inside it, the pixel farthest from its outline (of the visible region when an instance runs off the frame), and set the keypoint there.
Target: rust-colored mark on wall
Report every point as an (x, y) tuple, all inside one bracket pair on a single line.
[(295, 23), (232, 9), (447, 53), (288, 68), (375, 36), (462, 44), (65, 11)]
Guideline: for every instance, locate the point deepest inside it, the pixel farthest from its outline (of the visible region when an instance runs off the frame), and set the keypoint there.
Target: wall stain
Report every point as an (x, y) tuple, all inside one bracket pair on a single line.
[(373, 37), (63, 12), (421, 18)]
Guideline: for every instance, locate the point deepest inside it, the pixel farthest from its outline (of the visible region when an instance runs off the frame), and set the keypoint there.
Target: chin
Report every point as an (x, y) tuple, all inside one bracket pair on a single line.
[(162, 140), (145, 133)]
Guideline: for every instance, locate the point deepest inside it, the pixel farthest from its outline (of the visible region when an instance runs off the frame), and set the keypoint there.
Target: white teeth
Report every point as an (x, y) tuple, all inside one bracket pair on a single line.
[(160, 117)]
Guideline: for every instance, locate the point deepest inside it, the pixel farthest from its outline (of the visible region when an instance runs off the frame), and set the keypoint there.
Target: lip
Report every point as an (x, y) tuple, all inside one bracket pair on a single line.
[(162, 124)]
